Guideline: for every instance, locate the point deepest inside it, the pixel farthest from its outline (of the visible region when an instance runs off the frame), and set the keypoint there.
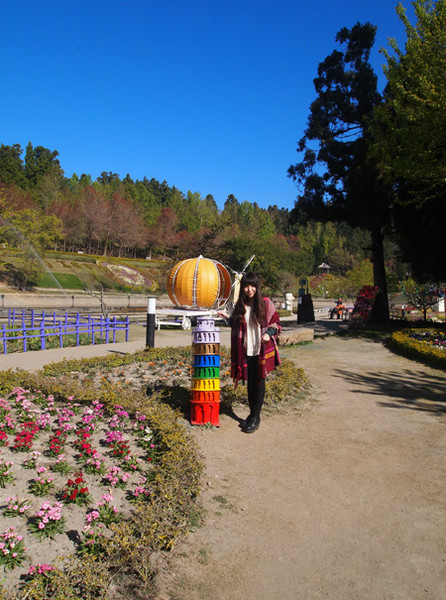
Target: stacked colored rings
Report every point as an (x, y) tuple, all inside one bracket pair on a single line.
[(205, 401)]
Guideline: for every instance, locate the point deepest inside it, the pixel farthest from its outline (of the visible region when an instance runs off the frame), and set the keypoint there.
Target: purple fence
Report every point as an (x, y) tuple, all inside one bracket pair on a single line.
[(26, 325)]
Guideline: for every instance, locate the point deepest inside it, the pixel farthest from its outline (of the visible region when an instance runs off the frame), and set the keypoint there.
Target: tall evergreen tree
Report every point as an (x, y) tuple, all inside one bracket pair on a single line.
[(11, 165), (339, 179), (40, 161)]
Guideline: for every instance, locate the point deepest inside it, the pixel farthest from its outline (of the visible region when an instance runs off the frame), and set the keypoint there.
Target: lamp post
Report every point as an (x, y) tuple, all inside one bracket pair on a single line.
[(150, 325)]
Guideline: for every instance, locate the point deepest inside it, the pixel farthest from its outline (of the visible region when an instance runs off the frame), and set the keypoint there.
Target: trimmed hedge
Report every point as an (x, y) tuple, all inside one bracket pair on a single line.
[(406, 344)]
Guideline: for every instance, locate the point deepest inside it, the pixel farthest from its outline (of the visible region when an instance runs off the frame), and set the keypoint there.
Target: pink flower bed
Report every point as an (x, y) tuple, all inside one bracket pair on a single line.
[(67, 472)]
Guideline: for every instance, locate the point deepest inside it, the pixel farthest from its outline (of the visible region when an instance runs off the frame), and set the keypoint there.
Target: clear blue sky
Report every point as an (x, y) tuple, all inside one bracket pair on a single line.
[(208, 95)]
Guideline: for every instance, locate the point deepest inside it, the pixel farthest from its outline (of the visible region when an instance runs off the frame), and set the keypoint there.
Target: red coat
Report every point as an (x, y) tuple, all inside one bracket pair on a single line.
[(269, 355)]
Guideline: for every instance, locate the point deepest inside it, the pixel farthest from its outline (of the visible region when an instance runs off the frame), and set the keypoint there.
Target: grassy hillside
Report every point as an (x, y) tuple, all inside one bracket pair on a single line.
[(79, 271)]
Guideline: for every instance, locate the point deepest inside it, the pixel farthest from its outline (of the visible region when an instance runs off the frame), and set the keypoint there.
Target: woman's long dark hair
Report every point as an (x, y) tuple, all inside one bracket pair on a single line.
[(258, 305)]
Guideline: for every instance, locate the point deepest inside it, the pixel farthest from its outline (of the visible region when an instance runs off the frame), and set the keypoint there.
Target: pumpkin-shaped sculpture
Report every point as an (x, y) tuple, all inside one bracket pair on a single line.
[(199, 283)]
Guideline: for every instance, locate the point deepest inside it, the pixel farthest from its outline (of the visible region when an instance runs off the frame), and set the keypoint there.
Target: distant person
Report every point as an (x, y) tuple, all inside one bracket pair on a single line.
[(337, 310), (255, 325)]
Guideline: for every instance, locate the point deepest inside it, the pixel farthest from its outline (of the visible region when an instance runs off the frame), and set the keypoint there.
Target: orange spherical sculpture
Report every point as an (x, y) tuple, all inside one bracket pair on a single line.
[(199, 283)]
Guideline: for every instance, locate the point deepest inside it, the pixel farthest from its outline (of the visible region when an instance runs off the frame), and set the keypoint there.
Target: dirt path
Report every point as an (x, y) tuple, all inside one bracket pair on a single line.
[(344, 500)]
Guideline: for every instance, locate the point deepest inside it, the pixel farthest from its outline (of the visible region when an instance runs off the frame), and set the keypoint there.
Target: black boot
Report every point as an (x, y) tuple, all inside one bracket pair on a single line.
[(251, 425)]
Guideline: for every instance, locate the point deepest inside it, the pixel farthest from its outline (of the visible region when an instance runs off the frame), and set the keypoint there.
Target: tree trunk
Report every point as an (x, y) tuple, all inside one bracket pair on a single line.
[(379, 273)]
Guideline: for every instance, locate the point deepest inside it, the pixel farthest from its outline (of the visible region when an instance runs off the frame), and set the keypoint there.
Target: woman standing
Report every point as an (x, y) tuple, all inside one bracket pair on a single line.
[(254, 327)]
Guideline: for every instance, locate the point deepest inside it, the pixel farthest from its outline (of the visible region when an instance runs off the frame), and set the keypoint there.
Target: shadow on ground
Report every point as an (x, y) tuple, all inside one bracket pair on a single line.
[(409, 389)]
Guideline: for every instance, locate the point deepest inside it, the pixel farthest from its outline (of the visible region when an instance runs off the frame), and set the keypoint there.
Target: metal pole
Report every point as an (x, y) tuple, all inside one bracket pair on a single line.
[(150, 326)]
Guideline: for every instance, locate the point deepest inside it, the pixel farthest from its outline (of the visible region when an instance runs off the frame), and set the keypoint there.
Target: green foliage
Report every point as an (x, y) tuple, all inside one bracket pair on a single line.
[(71, 257), (359, 277), (67, 281), (408, 133), (421, 295), (11, 165), (414, 116)]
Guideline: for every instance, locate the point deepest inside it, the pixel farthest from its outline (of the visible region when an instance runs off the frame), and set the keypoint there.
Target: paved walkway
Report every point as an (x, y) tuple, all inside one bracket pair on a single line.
[(33, 361)]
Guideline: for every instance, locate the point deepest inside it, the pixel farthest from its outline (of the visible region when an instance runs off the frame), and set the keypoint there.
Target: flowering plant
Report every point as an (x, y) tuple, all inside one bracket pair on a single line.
[(131, 462), (84, 446), (126, 274), (85, 450), (57, 442), (95, 464), (141, 493), (40, 569), (76, 491), (120, 450), (146, 439), (12, 549), (150, 452), (82, 435), (113, 437), (42, 484), (44, 421), (116, 477), (5, 408), (41, 574), (5, 474), (9, 424), (138, 424), (24, 438), (16, 507), (106, 512), (93, 539), (61, 465), (92, 413), (3, 438), (48, 521), (31, 461), (64, 415), (119, 418), (363, 307)]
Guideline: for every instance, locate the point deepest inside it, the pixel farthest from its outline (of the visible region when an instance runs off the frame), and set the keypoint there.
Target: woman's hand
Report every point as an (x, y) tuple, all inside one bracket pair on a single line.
[(223, 314), (266, 337)]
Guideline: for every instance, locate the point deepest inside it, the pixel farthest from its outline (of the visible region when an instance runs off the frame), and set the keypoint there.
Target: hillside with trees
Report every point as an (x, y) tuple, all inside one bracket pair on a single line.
[(42, 210)]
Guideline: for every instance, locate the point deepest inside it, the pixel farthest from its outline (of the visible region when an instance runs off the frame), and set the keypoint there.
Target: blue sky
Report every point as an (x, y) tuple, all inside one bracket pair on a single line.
[(209, 96)]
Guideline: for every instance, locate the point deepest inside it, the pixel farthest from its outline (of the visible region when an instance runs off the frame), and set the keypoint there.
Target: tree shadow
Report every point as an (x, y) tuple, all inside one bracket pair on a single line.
[(408, 389)]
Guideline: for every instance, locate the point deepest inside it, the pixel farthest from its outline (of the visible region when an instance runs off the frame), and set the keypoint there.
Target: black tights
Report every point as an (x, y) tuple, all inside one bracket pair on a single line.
[(256, 387)]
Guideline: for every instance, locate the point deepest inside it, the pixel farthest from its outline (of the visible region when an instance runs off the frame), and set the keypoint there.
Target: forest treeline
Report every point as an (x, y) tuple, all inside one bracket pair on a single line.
[(148, 218)]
